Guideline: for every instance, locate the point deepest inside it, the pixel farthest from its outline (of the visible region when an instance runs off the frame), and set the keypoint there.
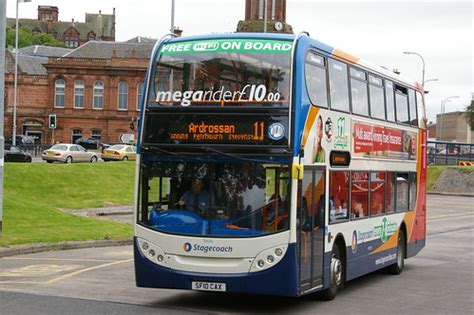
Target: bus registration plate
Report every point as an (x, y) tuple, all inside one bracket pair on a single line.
[(208, 286)]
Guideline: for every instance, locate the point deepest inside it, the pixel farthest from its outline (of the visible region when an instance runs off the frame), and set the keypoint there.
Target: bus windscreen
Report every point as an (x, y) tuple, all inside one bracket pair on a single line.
[(222, 73)]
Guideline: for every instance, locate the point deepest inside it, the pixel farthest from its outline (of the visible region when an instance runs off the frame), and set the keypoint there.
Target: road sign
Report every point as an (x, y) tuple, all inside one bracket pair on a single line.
[(127, 138)]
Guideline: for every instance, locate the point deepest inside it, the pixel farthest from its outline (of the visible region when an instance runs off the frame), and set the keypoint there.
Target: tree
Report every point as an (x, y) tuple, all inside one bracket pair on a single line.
[(470, 115), (26, 38)]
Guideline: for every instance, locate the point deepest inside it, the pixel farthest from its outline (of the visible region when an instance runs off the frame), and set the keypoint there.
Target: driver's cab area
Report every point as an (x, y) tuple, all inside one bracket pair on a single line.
[(224, 199)]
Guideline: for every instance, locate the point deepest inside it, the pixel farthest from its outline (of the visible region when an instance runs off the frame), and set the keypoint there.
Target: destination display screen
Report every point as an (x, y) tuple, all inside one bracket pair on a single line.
[(217, 128)]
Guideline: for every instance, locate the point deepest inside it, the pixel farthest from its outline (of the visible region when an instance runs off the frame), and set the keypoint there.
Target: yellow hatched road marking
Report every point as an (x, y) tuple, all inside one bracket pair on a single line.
[(38, 270), (87, 269)]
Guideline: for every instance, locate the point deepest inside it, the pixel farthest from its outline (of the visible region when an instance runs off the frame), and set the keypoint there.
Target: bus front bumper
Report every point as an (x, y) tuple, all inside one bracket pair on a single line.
[(282, 279)]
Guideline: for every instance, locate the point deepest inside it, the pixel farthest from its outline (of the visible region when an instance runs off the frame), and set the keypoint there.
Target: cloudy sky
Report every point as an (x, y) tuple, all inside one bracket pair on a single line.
[(376, 30)]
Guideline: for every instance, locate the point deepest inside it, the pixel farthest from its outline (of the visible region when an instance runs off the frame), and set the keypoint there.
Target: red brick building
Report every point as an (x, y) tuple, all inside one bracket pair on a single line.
[(73, 34), (94, 90)]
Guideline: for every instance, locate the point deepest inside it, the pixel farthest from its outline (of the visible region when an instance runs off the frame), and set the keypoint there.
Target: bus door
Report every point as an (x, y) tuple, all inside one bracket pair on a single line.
[(311, 201)]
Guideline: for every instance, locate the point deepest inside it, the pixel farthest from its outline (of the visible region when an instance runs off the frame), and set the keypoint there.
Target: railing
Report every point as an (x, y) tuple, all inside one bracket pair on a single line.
[(449, 153), (33, 149)]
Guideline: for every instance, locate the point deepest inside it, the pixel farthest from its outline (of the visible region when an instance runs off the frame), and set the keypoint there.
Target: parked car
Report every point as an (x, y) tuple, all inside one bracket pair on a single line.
[(20, 140), (119, 152), (68, 153), (92, 144), (16, 156)]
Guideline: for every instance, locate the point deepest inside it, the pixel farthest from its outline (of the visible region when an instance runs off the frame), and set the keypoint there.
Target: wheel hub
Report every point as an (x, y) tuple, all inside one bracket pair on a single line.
[(336, 271)]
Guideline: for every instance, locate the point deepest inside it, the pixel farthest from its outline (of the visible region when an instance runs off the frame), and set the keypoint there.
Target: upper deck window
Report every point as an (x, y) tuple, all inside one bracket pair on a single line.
[(401, 102), (389, 98), (360, 104), (377, 104), (412, 107), (339, 89), (222, 72), (315, 75)]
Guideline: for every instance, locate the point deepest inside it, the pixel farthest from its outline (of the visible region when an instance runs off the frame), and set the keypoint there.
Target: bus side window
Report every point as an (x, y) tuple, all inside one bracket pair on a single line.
[(420, 107), (390, 197), (389, 100), (412, 106), (359, 195), (401, 102), (359, 97), (339, 89), (402, 192), (377, 104), (377, 193), (315, 77), (339, 196)]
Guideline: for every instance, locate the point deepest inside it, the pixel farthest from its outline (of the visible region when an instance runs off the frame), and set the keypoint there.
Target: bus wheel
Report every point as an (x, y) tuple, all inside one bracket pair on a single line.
[(397, 267), (336, 275)]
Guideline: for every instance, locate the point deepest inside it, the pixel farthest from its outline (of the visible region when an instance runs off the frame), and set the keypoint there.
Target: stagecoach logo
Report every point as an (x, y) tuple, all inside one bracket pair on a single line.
[(385, 229), (187, 247), (276, 131), (341, 140), (354, 242)]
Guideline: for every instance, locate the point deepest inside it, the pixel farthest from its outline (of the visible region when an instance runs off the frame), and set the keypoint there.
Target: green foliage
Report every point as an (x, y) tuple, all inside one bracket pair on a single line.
[(34, 192), (26, 38), (470, 115)]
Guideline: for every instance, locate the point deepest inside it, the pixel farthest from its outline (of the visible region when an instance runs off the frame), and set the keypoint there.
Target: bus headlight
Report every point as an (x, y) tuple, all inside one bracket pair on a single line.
[(268, 258), (152, 252)]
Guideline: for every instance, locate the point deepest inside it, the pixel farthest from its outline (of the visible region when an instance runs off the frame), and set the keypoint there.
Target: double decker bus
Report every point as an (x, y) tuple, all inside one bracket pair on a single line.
[(275, 164)]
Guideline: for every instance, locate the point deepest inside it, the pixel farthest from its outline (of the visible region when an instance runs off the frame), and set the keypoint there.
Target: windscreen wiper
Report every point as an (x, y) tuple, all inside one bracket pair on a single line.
[(231, 155), (154, 147)]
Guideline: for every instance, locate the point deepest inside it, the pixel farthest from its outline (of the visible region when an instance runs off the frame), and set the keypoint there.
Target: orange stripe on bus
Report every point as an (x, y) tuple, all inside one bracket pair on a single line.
[(313, 112), (345, 56)]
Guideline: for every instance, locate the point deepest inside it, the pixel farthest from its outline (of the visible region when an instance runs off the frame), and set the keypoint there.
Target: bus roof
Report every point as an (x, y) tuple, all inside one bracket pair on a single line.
[(316, 44)]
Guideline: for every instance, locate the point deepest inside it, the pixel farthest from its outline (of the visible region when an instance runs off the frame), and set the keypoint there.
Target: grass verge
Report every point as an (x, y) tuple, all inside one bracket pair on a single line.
[(434, 171), (34, 192)]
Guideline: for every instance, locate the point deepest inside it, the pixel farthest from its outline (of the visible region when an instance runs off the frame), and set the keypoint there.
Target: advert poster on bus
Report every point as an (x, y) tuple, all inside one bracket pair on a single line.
[(383, 142)]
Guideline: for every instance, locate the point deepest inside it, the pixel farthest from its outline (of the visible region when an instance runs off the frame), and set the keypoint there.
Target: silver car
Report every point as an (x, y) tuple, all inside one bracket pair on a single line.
[(68, 153)]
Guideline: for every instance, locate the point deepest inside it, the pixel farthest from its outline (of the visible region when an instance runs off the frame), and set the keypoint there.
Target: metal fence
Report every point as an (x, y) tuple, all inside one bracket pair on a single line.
[(34, 149), (449, 153)]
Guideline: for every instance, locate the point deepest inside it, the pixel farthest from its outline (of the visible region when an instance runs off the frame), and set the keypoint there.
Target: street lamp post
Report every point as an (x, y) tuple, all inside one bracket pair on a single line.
[(423, 60), (15, 83), (443, 106), (172, 17)]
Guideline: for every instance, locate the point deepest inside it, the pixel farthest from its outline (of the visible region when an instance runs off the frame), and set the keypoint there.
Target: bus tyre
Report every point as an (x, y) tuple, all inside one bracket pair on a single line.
[(398, 266), (336, 277)]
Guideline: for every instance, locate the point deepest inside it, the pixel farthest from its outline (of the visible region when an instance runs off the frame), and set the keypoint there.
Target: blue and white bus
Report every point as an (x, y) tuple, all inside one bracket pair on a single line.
[(275, 164)]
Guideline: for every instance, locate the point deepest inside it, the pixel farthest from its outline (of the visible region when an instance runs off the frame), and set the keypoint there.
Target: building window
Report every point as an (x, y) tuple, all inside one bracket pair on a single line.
[(78, 94), (76, 134), (360, 103), (122, 95), (377, 103), (98, 98), (339, 90), (71, 41), (140, 92), (96, 134), (315, 76), (59, 92)]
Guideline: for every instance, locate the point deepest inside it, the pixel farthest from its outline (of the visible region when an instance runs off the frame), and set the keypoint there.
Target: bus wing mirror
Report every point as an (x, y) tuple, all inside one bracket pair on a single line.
[(297, 171)]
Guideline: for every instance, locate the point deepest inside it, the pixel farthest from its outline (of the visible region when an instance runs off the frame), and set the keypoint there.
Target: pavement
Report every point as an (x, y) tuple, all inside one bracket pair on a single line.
[(440, 280)]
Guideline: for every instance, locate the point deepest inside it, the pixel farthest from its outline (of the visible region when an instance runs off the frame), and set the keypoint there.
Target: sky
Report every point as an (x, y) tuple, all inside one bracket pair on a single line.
[(378, 31)]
